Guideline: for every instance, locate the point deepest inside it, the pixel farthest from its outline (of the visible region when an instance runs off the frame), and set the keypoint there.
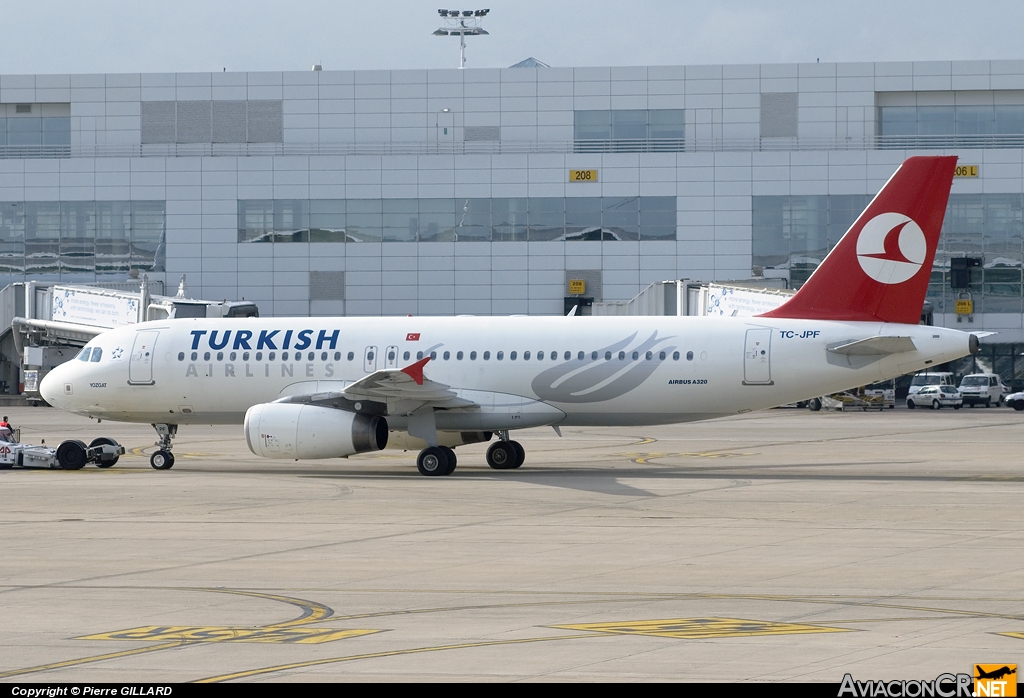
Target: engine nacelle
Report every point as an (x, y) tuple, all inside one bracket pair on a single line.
[(402, 441), (283, 430)]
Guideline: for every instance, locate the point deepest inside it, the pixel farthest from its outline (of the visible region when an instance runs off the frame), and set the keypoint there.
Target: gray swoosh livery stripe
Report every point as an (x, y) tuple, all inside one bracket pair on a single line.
[(577, 381)]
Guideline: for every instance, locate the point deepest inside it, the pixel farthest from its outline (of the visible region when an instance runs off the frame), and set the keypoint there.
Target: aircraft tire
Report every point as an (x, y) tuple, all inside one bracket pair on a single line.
[(104, 441), (162, 460), (520, 454), (432, 461), (452, 459), (814, 404), (502, 455), (72, 455)]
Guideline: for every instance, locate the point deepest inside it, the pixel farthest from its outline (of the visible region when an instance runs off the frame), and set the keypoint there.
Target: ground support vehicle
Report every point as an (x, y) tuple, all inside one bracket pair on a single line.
[(983, 389), (936, 397), (69, 455), (1016, 401)]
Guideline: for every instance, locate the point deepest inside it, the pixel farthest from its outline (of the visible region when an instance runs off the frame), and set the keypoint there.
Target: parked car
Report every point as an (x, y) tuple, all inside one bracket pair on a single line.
[(936, 396), (1016, 401), (983, 389)]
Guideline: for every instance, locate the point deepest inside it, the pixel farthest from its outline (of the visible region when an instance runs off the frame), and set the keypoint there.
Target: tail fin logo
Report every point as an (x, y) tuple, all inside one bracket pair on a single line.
[(891, 248)]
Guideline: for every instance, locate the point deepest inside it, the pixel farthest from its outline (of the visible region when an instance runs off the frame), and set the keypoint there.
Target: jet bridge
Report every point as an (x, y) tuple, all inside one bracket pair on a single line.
[(42, 325)]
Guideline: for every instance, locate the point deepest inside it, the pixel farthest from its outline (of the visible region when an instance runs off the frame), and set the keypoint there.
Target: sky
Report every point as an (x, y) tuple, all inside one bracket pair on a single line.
[(118, 36)]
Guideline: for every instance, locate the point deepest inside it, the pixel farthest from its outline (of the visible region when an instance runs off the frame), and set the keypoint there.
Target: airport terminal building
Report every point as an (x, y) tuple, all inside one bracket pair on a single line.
[(488, 191)]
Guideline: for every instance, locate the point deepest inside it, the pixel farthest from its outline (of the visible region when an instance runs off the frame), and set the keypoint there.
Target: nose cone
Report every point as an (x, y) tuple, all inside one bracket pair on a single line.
[(52, 388)]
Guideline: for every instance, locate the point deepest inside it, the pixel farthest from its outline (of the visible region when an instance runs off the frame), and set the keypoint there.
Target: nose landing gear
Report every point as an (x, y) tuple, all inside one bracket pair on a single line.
[(163, 459)]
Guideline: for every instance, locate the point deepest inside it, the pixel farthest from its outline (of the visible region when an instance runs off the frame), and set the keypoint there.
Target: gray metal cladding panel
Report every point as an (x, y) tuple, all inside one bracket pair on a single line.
[(779, 114), (157, 122), (327, 285), (266, 121), (229, 118), (195, 122)]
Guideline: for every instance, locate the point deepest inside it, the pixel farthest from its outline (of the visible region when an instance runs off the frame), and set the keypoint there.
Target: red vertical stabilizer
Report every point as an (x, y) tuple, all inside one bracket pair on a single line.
[(881, 266)]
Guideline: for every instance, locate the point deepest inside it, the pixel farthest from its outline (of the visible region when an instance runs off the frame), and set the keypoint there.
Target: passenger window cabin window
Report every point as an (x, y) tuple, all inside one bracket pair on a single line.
[(433, 356), (568, 355), (650, 355), (369, 356), (622, 356), (195, 355), (405, 356), (259, 356), (337, 356), (233, 355), (284, 356), (459, 356), (206, 356), (472, 356), (607, 356), (323, 356), (309, 357), (579, 357), (181, 356), (220, 356), (540, 356), (391, 356), (593, 356), (661, 356), (447, 355), (500, 355), (526, 356), (419, 355), (270, 356), (554, 356), (689, 355), (351, 356), (245, 356), (487, 355), (512, 356), (636, 355)]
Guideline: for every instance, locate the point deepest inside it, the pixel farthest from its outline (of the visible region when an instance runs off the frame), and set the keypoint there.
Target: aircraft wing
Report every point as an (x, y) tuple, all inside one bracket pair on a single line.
[(875, 346), (407, 384)]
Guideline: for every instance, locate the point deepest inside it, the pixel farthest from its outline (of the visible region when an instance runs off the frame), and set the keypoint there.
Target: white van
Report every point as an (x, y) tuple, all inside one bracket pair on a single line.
[(920, 380), (983, 389)]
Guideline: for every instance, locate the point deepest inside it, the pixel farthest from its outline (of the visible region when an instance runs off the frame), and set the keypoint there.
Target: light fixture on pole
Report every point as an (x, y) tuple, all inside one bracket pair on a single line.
[(462, 23)]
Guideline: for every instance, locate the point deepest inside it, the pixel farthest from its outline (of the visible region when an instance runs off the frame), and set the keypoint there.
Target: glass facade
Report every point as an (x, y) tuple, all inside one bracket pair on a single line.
[(49, 240), (628, 130), (482, 220), (30, 135), (981, 125), (794, 233)]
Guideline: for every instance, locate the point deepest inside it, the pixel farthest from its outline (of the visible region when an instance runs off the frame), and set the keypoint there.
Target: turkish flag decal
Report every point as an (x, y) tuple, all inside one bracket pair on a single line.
[(412, 337)]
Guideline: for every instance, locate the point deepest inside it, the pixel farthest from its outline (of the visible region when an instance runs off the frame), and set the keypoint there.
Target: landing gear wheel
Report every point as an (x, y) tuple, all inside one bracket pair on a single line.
[(432, 461), (520, 454), (814, 404), (72, 455), (162, 460), (502, 455), (104, 441), (452, 459)]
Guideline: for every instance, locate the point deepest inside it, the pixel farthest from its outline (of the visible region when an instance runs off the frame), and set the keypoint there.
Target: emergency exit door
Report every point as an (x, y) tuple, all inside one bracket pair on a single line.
[(757, 357)]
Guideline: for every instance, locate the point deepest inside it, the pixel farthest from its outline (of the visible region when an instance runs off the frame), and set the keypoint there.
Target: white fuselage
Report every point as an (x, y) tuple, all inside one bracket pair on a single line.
[(619, 371)]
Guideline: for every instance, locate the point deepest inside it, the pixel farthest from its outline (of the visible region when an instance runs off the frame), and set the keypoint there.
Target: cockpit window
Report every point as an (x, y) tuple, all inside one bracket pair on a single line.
[(84, 354), (96, 354)]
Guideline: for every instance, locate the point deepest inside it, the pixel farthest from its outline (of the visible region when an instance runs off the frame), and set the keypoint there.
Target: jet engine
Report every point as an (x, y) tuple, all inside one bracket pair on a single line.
[(283, 430)]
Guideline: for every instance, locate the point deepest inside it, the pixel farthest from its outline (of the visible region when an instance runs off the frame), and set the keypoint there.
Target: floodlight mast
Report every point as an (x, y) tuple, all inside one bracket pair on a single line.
[(462, 23)]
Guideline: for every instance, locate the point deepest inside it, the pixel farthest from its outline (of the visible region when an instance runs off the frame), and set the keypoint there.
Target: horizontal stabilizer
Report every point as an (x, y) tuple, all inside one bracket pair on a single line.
[(875, 346)]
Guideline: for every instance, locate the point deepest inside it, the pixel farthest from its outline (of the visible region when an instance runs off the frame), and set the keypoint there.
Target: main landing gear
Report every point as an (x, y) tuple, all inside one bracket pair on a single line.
[(163, 459), (441, 460), (505, 454)]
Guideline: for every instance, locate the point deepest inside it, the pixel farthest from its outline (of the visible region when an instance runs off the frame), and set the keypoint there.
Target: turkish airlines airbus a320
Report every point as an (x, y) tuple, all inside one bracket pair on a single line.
[(334, 387)]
